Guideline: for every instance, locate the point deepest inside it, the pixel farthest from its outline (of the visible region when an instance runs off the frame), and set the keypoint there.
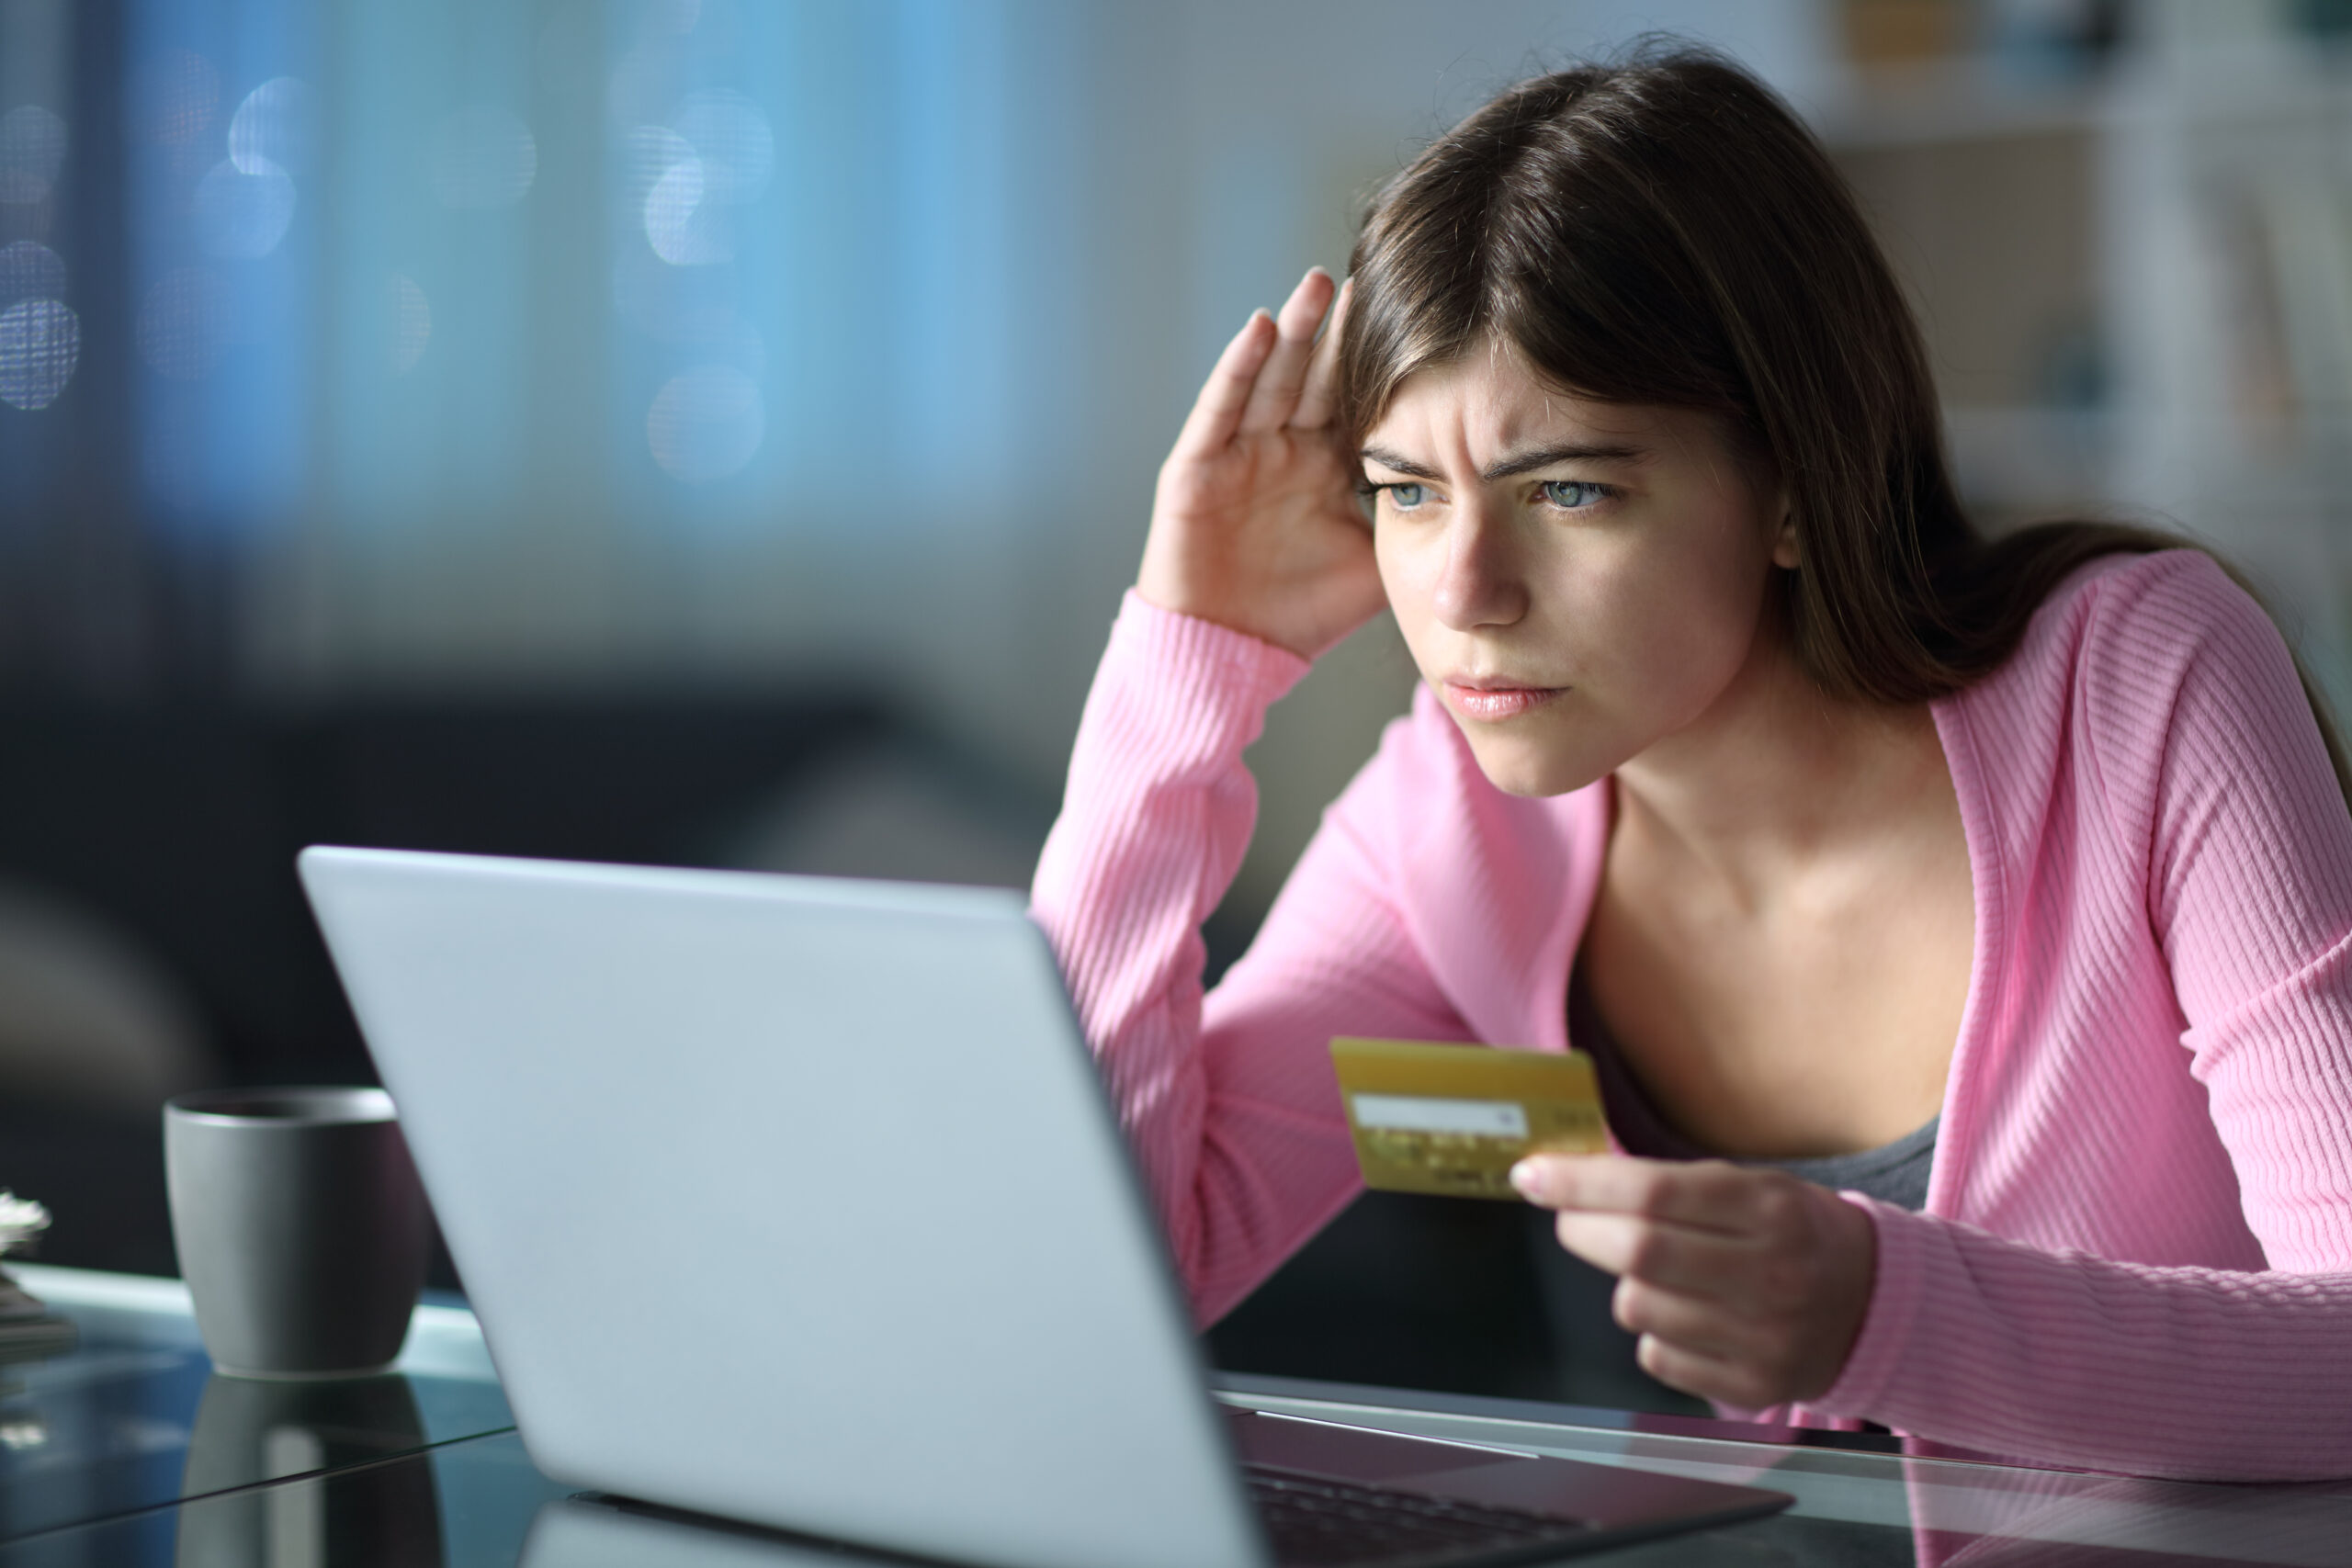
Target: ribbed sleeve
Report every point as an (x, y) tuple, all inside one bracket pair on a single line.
[(1229, 1104), (2198, 1373), (2183, 863)]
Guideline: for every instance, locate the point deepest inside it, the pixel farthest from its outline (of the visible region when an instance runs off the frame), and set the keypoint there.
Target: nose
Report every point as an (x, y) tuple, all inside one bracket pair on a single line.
[(1479, 582)]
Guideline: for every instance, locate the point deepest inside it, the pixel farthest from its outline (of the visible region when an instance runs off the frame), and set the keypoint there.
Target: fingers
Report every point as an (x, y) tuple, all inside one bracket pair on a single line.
[(1685, 1322), (1707, 1194), (1276, 393), (1701, 1264), (1258, 382), (1216, 412), (1705, 1348), (1709, 1377), (1319, 398)]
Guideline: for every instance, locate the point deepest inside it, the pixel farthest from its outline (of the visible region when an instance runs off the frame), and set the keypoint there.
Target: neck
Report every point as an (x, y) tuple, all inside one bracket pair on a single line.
[(1774, 777)]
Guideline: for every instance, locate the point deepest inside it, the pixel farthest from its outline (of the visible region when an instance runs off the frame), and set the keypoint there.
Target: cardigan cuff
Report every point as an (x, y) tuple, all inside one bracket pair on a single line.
[(1885, 1333), (1186, 693), (1202, 654)]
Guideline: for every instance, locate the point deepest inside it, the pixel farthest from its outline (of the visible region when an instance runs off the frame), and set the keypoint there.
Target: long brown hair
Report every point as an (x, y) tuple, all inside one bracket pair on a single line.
[(1664, 231)]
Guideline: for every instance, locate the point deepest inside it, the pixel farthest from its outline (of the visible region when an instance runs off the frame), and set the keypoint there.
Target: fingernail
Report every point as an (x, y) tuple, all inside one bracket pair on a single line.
[(1525, 1177)]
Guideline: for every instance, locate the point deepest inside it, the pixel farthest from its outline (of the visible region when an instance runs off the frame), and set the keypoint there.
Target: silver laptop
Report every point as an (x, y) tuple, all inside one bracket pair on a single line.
[(797, 1200)]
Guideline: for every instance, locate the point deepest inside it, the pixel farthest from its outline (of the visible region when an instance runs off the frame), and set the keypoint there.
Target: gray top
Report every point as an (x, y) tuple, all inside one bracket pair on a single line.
[(1893, 1173)]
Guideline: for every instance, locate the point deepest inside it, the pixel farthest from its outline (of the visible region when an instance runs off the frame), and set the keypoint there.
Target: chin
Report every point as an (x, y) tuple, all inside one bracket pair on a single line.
[(1532, 772)]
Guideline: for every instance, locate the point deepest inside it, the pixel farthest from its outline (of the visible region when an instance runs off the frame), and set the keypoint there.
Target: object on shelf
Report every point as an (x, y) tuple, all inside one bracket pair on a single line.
[(21, 1219), (1882, 33), (2054, 40)]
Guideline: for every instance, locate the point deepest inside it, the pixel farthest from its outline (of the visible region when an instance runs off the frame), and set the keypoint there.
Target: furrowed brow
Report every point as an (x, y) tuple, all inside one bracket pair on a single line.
[(1397, 463), (1572, 452), (1524, 463)]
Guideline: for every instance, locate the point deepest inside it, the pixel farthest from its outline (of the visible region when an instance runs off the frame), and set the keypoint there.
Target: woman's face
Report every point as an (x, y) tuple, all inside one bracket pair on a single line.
[(1577, 580)]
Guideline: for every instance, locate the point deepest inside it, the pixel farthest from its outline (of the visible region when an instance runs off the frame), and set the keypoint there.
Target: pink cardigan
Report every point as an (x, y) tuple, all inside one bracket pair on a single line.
[(2136, 1251)]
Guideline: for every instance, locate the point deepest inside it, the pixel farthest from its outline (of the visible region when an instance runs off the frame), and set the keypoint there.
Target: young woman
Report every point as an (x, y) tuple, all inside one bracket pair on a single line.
[(1981, 912)]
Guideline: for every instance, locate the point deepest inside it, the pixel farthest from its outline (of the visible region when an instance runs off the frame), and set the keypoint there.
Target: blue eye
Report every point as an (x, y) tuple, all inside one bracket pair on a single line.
[(1573, 495), (1405, 497)]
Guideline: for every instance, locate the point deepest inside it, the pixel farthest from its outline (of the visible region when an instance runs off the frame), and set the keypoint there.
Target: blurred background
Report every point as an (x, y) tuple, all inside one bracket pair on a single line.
[(717, 432)]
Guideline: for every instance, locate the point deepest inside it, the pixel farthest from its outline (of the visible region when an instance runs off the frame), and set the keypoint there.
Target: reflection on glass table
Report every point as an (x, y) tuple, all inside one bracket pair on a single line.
[(467, 1504), (134, 1415), (140, 1459), (495, 1509)]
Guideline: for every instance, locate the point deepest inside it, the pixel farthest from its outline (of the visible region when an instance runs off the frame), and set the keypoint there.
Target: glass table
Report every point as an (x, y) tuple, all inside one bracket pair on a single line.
[(127, 1451)]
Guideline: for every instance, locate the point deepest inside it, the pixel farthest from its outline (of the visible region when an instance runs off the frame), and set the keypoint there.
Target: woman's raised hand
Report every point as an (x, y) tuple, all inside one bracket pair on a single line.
[(1255, 523)]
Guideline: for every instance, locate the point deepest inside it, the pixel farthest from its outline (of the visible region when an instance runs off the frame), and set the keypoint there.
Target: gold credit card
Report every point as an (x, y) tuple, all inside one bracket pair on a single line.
[(1454, 1118)]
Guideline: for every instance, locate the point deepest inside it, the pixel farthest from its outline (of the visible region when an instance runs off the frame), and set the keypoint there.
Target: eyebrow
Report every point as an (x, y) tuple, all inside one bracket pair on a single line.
[(1526, 462)]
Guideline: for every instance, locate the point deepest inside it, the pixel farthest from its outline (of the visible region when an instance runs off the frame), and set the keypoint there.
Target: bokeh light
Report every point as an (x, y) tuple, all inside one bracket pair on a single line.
[(181, 323), (29, 270), (652, 151), (40, 344), (731, 137), (705, 423), (679, 224), (243, 211), (275, 128), (483, 157), (672, 209), (411, 323)]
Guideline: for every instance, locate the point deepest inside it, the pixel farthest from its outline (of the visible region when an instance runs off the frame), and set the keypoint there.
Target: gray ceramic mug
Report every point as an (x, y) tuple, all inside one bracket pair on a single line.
[(300, 1226)]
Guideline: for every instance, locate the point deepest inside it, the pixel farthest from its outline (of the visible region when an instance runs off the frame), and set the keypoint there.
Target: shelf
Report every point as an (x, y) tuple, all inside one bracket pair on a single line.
[(1949, 103)]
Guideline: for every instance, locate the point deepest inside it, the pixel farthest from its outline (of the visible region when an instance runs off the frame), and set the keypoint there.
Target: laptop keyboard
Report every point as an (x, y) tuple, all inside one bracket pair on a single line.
[(1315, 1522)]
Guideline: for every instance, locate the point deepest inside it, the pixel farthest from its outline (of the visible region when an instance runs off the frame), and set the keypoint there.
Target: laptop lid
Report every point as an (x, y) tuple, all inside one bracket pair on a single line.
[(794, 1200)]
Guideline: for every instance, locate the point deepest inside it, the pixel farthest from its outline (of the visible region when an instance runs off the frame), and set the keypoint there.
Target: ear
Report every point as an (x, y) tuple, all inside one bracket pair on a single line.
[(1785, 538)]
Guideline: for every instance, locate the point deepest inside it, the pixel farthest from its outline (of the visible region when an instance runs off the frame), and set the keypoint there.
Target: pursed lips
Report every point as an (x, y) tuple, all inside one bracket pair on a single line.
[(1494, 697)]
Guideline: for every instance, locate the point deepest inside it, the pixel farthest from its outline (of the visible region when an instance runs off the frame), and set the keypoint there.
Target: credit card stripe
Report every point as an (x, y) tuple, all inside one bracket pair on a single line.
[(1418, 1113)]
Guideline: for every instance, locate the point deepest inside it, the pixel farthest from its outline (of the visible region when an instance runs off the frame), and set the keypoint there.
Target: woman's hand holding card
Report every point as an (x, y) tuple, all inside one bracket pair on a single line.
[(1746, 1287)]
